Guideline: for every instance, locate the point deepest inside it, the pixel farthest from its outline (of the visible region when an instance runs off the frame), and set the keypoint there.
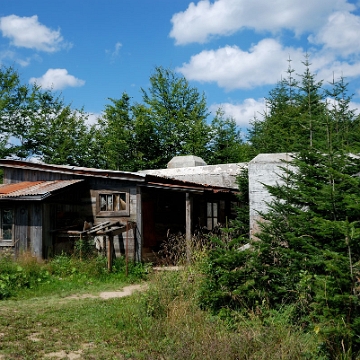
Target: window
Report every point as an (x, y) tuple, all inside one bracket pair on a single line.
[(113, 204), (6, 226), (212, 215)]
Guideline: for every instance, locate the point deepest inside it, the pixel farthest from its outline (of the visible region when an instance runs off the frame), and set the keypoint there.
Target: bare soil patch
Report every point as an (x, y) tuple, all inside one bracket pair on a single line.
[(126, 291)]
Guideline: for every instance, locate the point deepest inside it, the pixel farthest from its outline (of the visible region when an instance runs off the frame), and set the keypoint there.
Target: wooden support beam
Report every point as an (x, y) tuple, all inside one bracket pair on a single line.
[(188, 206), (138, 236), (110, 248)]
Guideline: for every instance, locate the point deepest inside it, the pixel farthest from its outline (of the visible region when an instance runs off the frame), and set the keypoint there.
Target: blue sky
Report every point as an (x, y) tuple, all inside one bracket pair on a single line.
[(232, 50)]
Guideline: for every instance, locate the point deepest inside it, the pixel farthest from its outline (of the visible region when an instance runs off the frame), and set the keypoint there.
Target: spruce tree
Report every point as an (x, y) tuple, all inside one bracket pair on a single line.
[(306, 258)]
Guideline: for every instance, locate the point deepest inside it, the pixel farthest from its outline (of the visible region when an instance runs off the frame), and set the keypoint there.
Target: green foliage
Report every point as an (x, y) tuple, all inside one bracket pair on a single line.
[(225, 144), (163, 322), (26, 275), (306, 257), (178, 113), (18, 275), (40, 124), (298, 115)]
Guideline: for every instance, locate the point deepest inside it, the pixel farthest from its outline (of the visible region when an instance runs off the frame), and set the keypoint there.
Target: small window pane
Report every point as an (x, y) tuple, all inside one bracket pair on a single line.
[(122, 201), (209, 224), (209, 210), (113, 202), (7, 221), (7, 217), (110, 203), (102, 202), (116, 202), (215, 209)]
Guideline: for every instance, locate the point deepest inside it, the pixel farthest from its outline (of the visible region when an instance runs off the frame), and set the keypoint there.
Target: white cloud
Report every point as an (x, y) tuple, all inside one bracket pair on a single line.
[(341, 33), (29, 33), (355, 106), (57, 79), (231, 68), (92, 118), (242, 113), (199, 22), (114, 53), (9, 55), (337, 69)]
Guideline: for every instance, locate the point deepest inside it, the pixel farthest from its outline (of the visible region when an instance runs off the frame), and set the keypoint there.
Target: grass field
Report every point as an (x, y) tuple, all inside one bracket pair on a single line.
[(164, 322)]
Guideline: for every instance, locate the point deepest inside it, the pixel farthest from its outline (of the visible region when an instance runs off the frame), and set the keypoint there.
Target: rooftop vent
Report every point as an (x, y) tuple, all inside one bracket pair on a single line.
[(185, 161)]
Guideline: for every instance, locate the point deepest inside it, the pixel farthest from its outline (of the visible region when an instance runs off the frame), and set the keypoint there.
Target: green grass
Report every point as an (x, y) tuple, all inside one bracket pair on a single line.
[(62, 276), (164, 322)]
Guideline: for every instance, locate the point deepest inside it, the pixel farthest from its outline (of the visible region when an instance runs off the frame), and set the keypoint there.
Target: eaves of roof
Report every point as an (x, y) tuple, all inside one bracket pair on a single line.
[(73, 170), (182, 185)]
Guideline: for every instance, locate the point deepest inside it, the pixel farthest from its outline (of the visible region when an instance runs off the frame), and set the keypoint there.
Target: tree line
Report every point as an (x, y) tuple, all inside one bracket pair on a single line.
[(307, 262), (171, 120)]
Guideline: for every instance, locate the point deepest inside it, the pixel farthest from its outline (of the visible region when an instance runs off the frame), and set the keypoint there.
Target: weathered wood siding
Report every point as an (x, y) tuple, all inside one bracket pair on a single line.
[(18, 175), (21, 228), (36, 229), (132, 237)]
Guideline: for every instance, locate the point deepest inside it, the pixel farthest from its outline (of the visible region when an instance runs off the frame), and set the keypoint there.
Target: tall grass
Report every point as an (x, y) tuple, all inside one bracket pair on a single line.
[(181, 330), (164, 322)]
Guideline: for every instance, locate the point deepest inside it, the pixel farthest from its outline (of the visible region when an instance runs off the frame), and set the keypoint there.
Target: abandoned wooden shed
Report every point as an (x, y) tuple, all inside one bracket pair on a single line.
[(43, 208)]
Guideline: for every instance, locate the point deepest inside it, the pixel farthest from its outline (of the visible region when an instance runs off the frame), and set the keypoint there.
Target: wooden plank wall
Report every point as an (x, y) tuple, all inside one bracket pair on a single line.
[(18, 175), (21, 235), (97, 186), (36, 229)]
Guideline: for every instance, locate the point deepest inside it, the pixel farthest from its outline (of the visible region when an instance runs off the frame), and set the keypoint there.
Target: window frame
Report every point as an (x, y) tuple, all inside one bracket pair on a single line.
[(111, 213), (213, 217), (6, 242)]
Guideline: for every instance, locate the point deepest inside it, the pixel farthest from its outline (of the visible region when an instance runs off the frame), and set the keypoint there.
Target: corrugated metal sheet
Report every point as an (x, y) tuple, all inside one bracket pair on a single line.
[(11, 188), (73, 170), (34, 188)]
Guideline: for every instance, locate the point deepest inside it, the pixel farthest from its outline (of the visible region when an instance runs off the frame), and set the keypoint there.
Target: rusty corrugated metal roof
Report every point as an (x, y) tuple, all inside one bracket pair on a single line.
[(33, 188), (10, 188)]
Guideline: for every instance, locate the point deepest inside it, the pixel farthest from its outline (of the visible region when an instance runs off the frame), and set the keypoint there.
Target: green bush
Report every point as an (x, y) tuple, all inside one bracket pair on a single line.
[(26, 272)]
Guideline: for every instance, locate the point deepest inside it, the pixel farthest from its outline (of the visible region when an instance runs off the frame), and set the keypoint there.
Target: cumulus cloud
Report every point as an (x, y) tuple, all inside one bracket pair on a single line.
[(231, 68), (336, 69), (57, 79), (244, 112), (201, 21), (29, 33), (340, 33)]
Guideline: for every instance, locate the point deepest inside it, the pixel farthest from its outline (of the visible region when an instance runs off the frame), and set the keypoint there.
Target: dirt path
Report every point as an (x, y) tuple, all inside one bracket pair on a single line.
[(126, 291)]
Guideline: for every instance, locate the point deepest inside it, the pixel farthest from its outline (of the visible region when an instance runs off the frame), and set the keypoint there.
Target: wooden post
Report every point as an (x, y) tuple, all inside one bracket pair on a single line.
[(110, 251), (104, 245), (127, 247), (138, 231), (188, 206)]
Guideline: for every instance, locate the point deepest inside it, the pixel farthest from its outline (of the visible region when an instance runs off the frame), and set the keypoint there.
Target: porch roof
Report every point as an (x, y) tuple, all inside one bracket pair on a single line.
[(33, 190)]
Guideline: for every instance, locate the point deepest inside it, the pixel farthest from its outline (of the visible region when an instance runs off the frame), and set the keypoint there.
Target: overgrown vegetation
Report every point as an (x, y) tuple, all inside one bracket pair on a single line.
[(305, 260), (293, 293), (27, 276), (165, 322)]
